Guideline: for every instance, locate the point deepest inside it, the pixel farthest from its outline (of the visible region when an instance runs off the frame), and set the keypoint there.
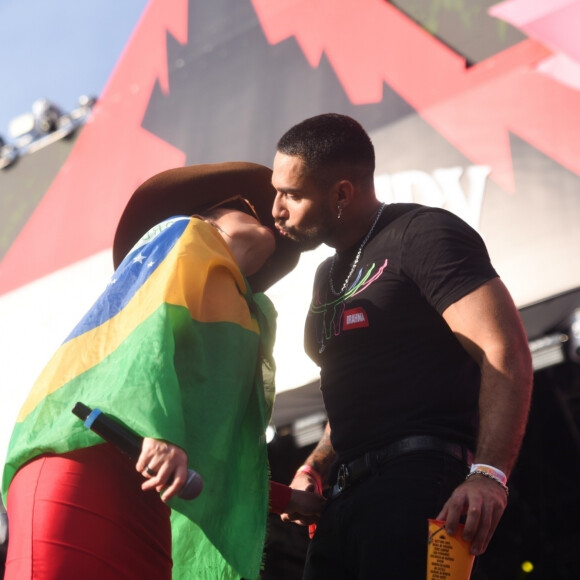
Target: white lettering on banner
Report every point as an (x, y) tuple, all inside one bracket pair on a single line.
[(455, 189), (352, 318)]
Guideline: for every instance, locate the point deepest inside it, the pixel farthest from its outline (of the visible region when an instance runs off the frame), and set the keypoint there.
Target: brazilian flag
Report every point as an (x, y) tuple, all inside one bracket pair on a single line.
[(174, 349)]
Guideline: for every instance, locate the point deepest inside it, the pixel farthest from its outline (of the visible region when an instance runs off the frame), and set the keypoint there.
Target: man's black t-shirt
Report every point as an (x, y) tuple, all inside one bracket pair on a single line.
[(390, 365)]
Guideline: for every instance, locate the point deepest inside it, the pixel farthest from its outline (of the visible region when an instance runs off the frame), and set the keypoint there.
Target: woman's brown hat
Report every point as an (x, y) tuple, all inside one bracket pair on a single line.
[(189, 190)]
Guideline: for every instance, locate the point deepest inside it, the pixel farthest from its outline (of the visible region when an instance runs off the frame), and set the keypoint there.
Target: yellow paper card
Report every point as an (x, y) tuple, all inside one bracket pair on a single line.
[(448, 557)]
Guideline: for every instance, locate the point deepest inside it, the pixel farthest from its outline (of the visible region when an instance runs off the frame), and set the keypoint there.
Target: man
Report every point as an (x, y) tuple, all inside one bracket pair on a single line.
[(423, 360)]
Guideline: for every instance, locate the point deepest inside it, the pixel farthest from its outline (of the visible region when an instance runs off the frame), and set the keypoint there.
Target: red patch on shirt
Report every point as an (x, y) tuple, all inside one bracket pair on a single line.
[(354, 318)]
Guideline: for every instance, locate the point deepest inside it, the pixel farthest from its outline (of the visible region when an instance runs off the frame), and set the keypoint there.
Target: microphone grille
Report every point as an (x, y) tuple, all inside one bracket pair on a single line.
[(193, 485)]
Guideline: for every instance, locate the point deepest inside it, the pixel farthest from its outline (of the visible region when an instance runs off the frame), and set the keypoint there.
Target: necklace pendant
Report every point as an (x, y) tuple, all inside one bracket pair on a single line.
[(321, 349)]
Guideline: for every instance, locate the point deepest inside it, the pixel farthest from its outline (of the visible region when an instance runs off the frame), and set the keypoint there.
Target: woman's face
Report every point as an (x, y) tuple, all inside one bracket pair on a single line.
[(250, 242)]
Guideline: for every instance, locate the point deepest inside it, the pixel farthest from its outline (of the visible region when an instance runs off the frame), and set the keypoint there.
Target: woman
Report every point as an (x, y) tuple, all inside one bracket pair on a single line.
[(179, 349)]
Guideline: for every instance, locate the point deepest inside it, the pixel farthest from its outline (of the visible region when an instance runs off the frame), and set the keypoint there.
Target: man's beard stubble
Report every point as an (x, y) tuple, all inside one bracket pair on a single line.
[(306, 241), (309, 237)]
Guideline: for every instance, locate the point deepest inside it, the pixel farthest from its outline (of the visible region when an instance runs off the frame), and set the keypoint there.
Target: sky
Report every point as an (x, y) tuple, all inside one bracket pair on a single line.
[(59, 49)]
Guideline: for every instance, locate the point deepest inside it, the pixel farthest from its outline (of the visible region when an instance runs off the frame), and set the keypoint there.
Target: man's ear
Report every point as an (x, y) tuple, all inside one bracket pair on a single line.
[(343, 192)]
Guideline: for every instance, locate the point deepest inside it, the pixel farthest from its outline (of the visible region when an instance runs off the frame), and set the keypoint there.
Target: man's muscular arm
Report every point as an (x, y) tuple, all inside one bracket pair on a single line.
[(312, 475), (487, 324)]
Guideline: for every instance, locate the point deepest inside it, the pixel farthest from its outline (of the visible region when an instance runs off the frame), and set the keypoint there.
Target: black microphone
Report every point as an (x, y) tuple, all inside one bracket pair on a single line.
[(129, 443)]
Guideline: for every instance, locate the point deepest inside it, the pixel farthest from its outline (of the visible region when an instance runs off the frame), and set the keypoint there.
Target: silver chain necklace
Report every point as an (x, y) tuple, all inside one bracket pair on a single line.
[(357, 258)]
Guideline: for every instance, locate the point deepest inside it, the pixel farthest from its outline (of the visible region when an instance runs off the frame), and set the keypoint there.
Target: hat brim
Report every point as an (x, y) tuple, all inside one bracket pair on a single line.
[(191, 189)]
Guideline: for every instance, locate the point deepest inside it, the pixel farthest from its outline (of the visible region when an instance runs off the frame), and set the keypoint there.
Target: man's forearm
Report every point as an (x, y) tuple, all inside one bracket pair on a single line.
[(323, 455), (504, 403)]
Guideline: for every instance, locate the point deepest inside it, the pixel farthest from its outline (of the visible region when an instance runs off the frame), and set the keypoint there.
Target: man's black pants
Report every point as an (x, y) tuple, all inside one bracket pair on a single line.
[(377, 528)]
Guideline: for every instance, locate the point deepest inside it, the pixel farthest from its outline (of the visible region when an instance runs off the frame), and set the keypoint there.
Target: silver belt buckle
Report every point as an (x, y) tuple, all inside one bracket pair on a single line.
[(342, 477)]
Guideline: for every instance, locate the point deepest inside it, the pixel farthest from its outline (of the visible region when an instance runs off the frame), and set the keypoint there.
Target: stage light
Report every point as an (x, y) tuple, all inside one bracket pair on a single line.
[(527, 567), (8, 153), (47, 116), (574, 336), (21, 126), (548, 350)]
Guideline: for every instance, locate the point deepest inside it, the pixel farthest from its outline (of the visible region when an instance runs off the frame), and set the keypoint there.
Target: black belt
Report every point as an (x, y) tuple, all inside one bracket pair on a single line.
[(349, 473)]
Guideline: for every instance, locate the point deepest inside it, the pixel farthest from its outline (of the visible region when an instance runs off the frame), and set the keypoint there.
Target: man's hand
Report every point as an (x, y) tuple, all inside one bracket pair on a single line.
[(304, 507), (483, 502), (311, 476), (302, 482), (164, 465)]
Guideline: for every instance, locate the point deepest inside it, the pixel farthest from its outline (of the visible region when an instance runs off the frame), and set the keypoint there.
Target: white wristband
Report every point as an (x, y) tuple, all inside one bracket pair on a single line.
[(490, 470)]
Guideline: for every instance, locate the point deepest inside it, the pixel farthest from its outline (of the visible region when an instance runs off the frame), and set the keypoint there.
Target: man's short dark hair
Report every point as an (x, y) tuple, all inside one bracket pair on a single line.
[(328, 142)]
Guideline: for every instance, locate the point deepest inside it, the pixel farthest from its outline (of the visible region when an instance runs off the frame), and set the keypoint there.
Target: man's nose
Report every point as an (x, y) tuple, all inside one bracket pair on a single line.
[(278, 208)]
